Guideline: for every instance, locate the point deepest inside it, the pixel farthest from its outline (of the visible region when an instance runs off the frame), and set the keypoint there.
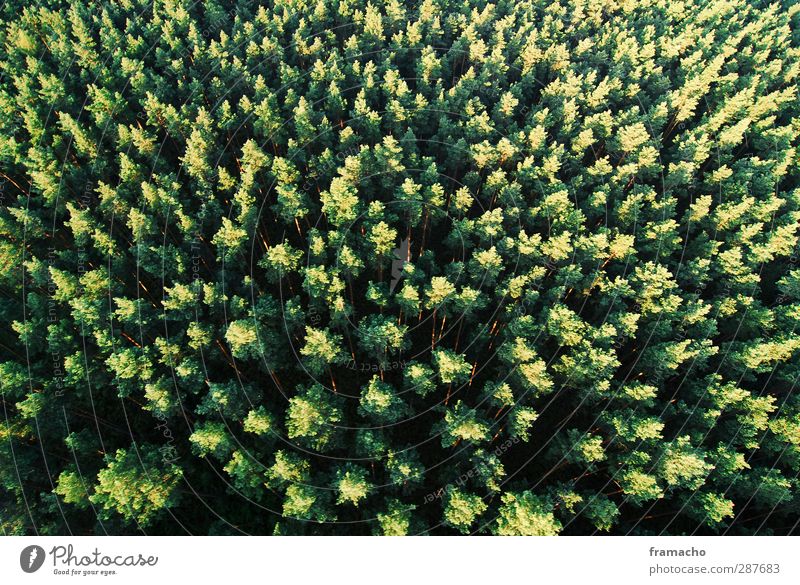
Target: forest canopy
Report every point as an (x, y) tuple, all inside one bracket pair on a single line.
[(441, 267)]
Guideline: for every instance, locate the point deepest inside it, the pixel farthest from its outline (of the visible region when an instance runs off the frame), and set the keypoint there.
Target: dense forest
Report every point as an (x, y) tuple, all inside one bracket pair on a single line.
[(344, 267)]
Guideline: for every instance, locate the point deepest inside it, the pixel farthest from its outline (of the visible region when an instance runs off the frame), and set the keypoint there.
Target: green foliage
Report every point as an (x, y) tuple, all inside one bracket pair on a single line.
[(312, 416), (351, 485), (396, 520), (321, 349), (211, 438), (348, 267), (525, 514), (462, 509), (137, 485)]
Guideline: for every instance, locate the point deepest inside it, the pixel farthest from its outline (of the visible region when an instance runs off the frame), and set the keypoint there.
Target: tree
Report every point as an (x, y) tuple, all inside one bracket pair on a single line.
[(322, 348), (525, 514), (312, 416), (462, 509), (451, 367), (351, 485), (520, 269), (139, 486), (380, 402)]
